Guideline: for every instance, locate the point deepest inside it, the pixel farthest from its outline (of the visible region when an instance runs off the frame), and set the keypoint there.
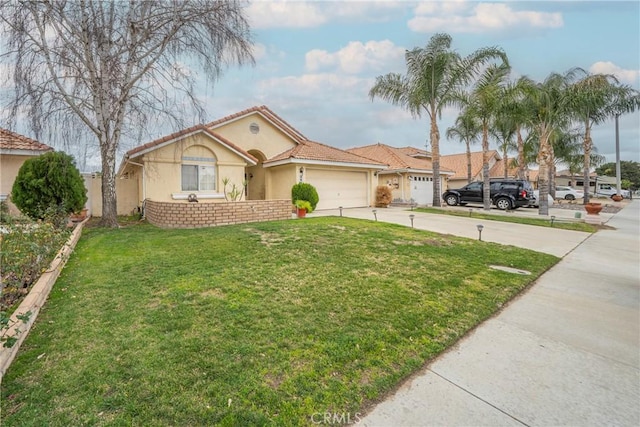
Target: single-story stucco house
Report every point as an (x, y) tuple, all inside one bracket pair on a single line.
[(409, 172), (254, 150), (15, 149)]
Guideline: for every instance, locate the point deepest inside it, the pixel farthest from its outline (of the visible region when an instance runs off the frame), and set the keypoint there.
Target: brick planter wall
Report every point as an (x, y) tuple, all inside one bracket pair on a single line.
[(198, 215)]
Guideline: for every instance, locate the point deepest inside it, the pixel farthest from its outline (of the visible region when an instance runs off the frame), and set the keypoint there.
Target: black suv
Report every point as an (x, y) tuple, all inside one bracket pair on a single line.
[(504, 194)]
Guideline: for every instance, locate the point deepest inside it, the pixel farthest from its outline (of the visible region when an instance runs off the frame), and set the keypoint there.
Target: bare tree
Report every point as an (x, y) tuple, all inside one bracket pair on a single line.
[(108, 68)]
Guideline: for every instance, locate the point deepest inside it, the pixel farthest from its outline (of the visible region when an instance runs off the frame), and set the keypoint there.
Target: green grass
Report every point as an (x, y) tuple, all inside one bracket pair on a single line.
[(541, 222), (255, 324)]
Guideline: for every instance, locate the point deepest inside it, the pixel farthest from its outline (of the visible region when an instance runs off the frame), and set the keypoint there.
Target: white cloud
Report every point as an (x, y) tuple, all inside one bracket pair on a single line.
[(309, 14), (625, 76), (356, 57), (460, 16)]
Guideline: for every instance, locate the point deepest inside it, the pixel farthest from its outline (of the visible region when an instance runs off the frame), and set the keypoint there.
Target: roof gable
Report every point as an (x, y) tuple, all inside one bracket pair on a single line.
[(268, 115), (11, 141), (185, 133)]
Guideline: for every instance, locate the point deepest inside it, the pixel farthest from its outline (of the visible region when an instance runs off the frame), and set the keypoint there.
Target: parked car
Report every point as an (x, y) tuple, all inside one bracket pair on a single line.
[(504, 194), (535, 202), (610, 190), (568, 193)]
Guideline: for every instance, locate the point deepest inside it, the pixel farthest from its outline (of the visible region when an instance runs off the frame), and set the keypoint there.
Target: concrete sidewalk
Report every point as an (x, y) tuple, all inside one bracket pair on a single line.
[(567, 352)]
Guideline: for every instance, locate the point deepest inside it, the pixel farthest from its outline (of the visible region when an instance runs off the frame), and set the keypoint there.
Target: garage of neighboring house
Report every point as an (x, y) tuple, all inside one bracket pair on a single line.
[(421, 189)]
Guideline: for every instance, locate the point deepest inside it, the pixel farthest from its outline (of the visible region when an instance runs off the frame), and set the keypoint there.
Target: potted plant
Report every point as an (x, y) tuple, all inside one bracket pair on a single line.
[(302, 207), (593, 208)]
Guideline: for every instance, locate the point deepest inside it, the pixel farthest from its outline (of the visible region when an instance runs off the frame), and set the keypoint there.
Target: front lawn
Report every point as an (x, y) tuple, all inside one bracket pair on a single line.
[(258, 324)]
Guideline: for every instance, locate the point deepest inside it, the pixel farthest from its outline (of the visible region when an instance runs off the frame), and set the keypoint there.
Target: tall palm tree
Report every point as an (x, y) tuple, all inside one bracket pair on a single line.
[(593, 99), (484, 103), (466, 129), (549, 106), (514, 107), (434, 74)]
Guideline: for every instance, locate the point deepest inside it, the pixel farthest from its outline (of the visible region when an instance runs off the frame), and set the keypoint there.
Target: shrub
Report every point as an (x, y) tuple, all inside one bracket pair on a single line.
[(49, 183), (304, 191), (26, 251), (383, 196)]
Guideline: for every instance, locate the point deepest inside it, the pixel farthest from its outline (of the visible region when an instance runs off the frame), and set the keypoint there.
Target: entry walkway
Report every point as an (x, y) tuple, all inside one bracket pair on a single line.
[(567, 352)]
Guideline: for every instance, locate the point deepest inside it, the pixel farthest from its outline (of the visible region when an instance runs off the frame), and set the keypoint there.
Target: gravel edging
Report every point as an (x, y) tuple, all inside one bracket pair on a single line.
[(36, 299)]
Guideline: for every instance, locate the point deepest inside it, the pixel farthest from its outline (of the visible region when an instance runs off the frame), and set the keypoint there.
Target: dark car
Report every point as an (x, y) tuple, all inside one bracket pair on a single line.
[(504, 194)]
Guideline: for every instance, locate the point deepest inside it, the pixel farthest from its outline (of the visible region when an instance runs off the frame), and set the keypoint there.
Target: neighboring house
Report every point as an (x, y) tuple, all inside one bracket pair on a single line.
[(409, 171), (458, 163), (15, 149), (255, 150)]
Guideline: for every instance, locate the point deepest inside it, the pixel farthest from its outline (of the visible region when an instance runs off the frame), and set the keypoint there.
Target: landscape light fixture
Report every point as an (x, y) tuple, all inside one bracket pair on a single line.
[(553, 218), (340, 207), (411, 217), (375, 215), (480, 227), (470, 210), (413, 205)]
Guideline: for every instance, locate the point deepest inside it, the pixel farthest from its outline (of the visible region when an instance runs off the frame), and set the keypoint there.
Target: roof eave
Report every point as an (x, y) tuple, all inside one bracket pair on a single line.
[(293, 160)]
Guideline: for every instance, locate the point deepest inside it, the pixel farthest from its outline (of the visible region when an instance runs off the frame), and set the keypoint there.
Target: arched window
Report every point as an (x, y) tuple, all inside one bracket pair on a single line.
[(199, 171)]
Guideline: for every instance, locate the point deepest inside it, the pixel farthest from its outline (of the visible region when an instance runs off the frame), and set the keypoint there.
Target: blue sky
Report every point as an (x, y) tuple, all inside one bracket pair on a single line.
[(316, 61)]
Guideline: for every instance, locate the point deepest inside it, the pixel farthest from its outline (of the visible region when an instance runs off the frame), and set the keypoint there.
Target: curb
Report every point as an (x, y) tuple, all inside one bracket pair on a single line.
[(36, 298)]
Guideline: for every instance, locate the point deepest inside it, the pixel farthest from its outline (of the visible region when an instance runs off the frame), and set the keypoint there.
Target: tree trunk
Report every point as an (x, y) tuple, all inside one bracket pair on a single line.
[(587, 145), (521, 165), (469, 177), (486, 194), (435, 153), (505, 161), (543, 159), (109, 199), (552, 172)]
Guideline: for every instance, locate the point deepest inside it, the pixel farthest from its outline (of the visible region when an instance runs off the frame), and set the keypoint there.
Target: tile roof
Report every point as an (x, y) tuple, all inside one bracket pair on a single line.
[(13, 141), (458, 163), (396, 158), (268, 114), (185, 132), (311, 150), (415, 152)]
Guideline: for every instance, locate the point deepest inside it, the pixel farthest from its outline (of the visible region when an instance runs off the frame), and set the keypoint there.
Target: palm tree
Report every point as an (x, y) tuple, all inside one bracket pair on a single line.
[(504, 130), (549, 105), (466, 129), (593, 102), (484, 103), (514, 107), (434, 74)]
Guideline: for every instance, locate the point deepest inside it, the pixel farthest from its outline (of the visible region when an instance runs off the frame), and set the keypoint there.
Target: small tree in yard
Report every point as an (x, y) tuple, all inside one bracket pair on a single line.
[(48, 184)]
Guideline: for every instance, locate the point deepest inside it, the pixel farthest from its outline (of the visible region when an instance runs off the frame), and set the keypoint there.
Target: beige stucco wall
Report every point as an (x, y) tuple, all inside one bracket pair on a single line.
[(162, 170), (269, 140), (280, 179), (9, 166), (126, 195)]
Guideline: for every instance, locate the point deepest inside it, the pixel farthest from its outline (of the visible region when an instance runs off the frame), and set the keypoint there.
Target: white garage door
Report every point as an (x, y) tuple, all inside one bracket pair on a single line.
[(422, 189), (348, 189)]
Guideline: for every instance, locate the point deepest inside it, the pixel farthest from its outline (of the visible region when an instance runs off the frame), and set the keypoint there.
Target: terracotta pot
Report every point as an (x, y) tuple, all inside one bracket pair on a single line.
[(593, 208), (302, 213), (616, 197)]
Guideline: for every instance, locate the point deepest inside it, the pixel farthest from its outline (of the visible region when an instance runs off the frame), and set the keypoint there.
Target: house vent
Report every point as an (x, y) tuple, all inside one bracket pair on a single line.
[(254, 128)]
